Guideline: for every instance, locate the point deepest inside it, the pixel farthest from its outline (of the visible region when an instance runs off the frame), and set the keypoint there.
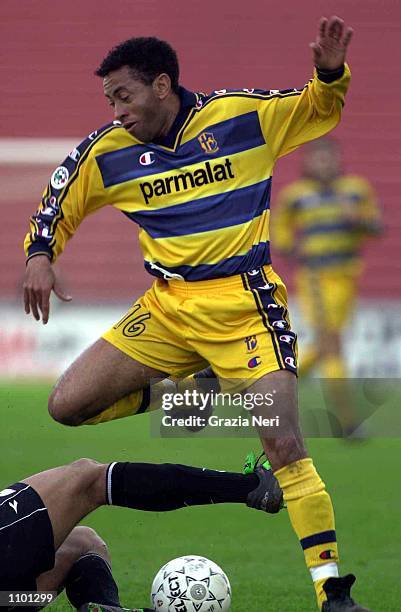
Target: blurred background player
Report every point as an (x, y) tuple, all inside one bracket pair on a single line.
[(321, 221), (41, 548)]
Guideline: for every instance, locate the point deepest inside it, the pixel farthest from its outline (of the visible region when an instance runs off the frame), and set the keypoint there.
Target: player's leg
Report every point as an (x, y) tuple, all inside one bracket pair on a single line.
[(285, 443), (331, 352), (111, 379), (70, 493), (323, 298), (339, 299), (82, 567), (268, 356), (309, 505), (102, 377), (165, 487)]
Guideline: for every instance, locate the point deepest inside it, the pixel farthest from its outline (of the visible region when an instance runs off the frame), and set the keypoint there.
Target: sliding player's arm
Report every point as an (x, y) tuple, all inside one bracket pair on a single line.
[(74, 191), (293, 117)]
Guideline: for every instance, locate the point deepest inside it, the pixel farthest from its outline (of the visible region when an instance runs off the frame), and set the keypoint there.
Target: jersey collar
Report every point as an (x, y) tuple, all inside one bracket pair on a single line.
[(188, 100)]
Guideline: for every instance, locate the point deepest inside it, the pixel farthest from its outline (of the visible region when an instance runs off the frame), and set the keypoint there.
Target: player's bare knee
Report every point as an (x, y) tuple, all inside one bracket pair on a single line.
[(83, 541), (56, 406), (60, 410), (91, 542), (91, 479)]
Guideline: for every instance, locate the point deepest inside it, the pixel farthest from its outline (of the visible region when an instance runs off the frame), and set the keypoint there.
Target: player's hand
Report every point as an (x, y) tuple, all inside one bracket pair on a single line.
[(330, 47), (40, 280)]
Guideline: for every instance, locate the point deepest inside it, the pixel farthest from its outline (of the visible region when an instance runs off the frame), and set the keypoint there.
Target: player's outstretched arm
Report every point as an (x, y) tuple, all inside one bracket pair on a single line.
[(295, 116), (39, 281), (74, 191), (330, 47)]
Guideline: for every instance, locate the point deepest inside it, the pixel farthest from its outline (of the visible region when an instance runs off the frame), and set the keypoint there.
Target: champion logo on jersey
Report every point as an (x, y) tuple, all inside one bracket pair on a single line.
[(287, 339), (280, 324), (148, 158), (254, 362), (290, 361)]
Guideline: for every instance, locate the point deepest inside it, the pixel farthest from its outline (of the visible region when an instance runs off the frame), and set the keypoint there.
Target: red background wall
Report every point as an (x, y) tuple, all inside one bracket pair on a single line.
[(51, 48)]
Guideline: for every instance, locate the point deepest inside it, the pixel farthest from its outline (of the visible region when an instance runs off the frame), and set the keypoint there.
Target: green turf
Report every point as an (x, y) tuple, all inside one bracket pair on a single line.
[(259, 553)]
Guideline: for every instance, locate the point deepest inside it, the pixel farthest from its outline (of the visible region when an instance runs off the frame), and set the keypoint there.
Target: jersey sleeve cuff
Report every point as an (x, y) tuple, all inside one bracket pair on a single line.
[(39, 249), (328, 76)]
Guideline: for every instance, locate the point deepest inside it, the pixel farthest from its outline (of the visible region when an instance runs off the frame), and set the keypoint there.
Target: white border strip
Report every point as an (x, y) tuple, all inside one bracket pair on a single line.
[(109, 471), (36, 151)]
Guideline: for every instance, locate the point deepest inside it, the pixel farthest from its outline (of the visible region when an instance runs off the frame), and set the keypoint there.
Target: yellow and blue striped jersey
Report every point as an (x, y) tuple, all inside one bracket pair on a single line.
[(324, 226), (201, 197)]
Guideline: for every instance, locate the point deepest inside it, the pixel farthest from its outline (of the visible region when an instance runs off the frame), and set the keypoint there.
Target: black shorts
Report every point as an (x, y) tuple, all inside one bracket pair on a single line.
[(26, 538)]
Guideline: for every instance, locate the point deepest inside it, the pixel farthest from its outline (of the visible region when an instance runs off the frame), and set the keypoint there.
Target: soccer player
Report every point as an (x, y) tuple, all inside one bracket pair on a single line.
[(42, 549), (194, 172), (321, 222)]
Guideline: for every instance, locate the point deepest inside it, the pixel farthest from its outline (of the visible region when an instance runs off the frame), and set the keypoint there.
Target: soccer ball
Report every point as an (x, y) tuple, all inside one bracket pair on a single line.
[(191, 584)]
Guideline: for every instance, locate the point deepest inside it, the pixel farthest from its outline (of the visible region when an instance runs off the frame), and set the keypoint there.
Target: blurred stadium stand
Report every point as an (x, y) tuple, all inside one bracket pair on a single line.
[(50, 50)]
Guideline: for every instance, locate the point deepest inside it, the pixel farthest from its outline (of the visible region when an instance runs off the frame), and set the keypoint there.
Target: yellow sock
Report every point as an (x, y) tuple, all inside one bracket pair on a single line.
[(312, 517), (333, 366), (307, 360), (138, 402)]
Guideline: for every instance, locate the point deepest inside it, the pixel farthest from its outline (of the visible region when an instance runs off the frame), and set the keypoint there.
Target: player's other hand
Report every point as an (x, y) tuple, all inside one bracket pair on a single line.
[(330, 48), (40, 280)]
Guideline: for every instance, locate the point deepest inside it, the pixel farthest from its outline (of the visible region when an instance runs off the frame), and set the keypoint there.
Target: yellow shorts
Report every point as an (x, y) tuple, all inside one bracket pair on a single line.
[(327, 296), (238, 325)]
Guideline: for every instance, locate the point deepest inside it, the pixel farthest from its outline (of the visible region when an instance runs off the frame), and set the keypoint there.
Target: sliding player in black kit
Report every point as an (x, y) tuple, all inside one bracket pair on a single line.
[(42, 549)]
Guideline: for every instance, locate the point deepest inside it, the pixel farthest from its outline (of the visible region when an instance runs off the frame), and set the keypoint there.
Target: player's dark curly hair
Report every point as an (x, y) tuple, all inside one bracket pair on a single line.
[(146, 56)]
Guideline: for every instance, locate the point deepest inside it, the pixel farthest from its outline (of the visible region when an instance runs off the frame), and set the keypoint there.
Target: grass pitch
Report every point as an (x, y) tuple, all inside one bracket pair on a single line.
[(259, 552)]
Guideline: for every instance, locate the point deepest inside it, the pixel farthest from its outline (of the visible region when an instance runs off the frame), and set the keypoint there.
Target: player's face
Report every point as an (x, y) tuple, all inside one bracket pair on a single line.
[(322, 164), (139, 107)]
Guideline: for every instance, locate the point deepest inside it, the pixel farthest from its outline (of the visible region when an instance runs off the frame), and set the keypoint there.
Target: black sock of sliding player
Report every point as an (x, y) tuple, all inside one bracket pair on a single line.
[(146, 486), (90, 580)]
